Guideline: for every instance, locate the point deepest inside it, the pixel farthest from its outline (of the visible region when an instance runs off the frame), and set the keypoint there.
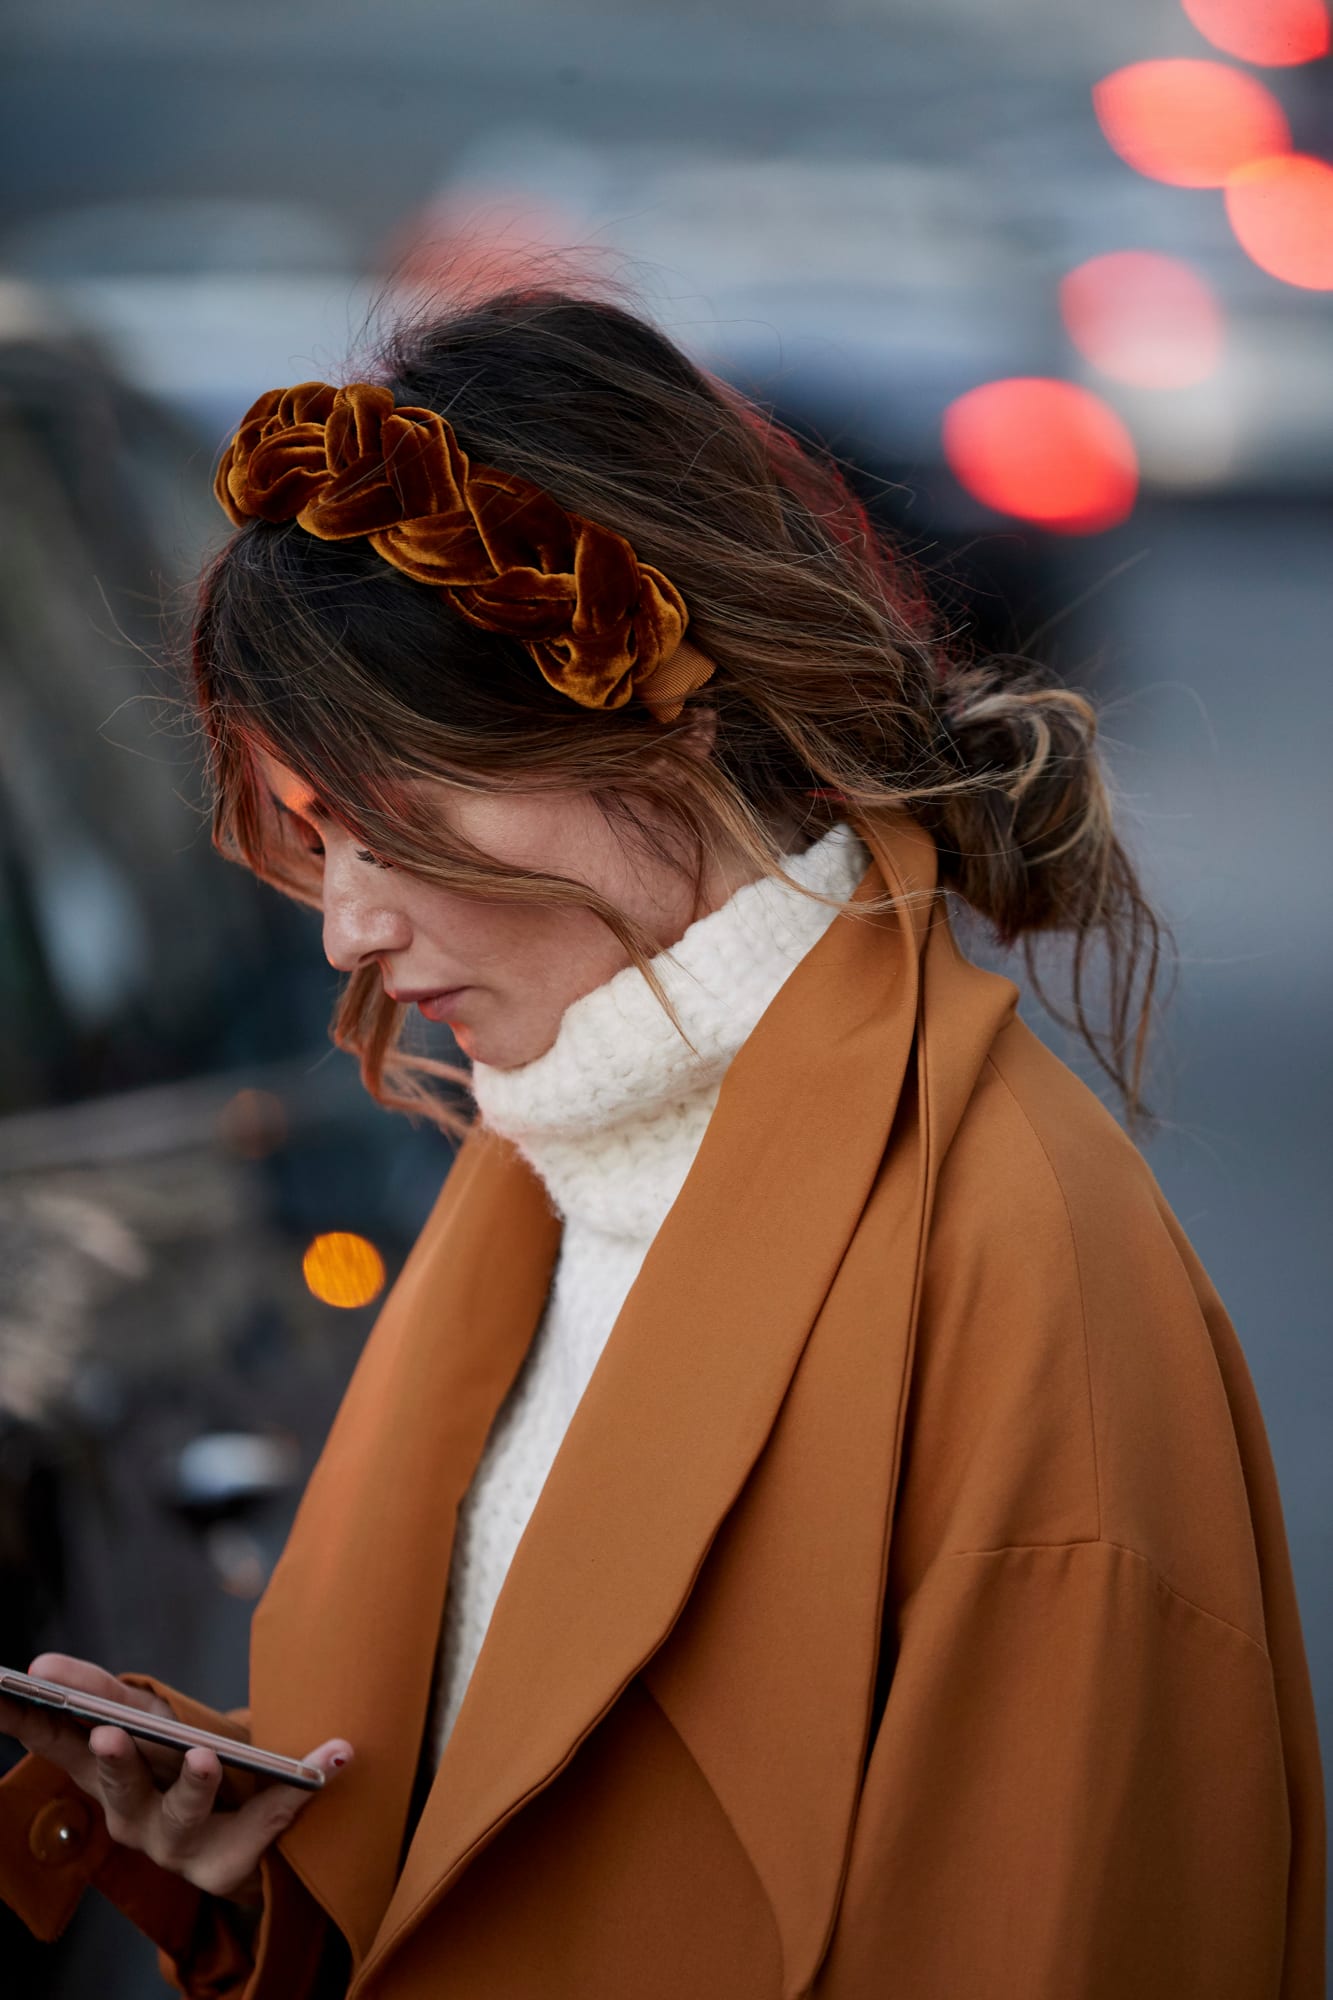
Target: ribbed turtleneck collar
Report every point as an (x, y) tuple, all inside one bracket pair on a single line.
[(612, 1114)]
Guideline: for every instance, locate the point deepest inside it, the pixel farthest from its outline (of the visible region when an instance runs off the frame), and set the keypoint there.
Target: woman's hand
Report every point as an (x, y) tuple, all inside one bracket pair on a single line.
[(156, 1800)]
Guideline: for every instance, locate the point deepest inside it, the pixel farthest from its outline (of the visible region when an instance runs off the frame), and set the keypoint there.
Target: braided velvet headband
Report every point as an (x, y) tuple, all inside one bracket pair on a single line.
[(601, 626)]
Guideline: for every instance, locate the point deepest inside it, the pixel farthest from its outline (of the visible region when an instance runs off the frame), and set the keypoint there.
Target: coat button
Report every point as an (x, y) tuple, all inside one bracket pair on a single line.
[(60, 1831)]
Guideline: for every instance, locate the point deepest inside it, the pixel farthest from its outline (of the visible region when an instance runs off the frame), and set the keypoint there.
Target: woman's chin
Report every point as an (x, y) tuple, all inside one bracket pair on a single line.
[(500, 1049), (479, 1046), (468, 1042)]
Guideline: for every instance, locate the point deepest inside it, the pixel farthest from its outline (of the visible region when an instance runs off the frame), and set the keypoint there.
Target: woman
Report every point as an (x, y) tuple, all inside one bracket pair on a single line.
[(802, 1523)]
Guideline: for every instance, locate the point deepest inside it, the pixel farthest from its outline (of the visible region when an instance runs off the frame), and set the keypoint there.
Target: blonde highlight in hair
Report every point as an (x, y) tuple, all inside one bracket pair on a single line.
[(835, 697)]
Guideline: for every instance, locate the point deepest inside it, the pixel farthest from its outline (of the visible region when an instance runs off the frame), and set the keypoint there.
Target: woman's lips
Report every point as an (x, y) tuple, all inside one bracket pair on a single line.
[(441, 1006), (434, 1003)]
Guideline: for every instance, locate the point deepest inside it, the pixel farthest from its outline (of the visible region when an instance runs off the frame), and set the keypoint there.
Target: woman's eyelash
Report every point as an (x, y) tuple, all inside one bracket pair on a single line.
[(312, 843)]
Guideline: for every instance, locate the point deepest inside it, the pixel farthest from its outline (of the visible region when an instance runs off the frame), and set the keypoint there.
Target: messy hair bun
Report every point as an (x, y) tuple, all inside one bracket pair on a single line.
[(1029, 841), (833, 692)]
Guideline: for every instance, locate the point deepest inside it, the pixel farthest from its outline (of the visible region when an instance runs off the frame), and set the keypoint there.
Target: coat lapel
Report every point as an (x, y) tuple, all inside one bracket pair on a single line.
[(790, 1607), (691, 1380), (344, 1640)]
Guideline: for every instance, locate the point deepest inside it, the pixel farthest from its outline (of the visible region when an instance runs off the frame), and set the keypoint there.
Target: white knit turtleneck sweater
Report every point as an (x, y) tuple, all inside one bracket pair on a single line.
[(611, 1118)]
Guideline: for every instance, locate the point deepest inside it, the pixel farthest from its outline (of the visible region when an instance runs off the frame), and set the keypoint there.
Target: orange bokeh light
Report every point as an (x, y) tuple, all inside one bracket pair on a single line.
[(1279, 32), (1045, 451), (1282, 213), (1189, 123), (343, 1270), (1143, 318)]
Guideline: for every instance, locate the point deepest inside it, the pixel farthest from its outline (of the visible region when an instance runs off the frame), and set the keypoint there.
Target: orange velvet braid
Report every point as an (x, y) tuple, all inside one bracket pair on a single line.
[(601, 626)]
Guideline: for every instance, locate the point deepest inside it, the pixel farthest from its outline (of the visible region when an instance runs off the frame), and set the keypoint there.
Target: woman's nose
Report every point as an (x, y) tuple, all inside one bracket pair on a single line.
[(360, 921)]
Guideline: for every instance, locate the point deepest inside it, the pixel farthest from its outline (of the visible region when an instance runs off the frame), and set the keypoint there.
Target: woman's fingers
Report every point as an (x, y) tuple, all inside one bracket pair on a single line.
[(45, 1735), (125, 1785), (187, 1804), (37, 1729), (228, 1860), (178, 1826), (84, 1677), (91, 1679)]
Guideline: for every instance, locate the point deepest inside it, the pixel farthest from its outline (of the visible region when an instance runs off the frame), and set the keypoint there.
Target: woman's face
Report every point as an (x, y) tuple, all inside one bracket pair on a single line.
[(508, 970)]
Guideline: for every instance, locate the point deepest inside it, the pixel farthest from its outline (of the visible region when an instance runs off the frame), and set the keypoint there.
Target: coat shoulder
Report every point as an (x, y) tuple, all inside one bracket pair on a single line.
[(1065, 1384)]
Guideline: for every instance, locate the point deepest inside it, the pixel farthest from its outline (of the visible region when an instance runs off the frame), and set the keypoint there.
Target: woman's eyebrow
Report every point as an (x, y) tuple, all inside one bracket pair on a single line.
[(309, 806)]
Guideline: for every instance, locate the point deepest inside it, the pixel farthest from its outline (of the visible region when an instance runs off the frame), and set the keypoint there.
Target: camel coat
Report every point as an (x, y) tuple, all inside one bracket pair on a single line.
[(908, 1612)]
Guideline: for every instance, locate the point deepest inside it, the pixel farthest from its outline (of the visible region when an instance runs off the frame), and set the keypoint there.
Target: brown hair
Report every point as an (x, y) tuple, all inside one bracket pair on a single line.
[(835, 695)]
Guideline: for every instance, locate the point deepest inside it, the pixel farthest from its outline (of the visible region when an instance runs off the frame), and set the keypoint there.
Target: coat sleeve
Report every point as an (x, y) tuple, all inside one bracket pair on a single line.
[(54, 1845), (1076, 1792)]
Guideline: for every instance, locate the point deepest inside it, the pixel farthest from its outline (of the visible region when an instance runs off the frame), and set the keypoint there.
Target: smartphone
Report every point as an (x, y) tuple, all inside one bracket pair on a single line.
[(91, 1708)]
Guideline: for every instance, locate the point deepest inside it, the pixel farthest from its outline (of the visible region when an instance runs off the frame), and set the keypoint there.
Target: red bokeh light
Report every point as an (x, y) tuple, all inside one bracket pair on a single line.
[(1143, 318), (1190, 123), (1282, 213), (1045, 451), (1278, 32)]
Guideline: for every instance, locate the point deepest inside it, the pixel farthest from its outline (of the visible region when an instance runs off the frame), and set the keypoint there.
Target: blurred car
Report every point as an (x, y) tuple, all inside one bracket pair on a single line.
[(174, 1127)]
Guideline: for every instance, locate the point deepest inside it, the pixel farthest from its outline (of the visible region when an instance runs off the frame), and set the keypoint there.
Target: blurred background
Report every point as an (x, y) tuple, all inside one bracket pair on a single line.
[(1055, 281)]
